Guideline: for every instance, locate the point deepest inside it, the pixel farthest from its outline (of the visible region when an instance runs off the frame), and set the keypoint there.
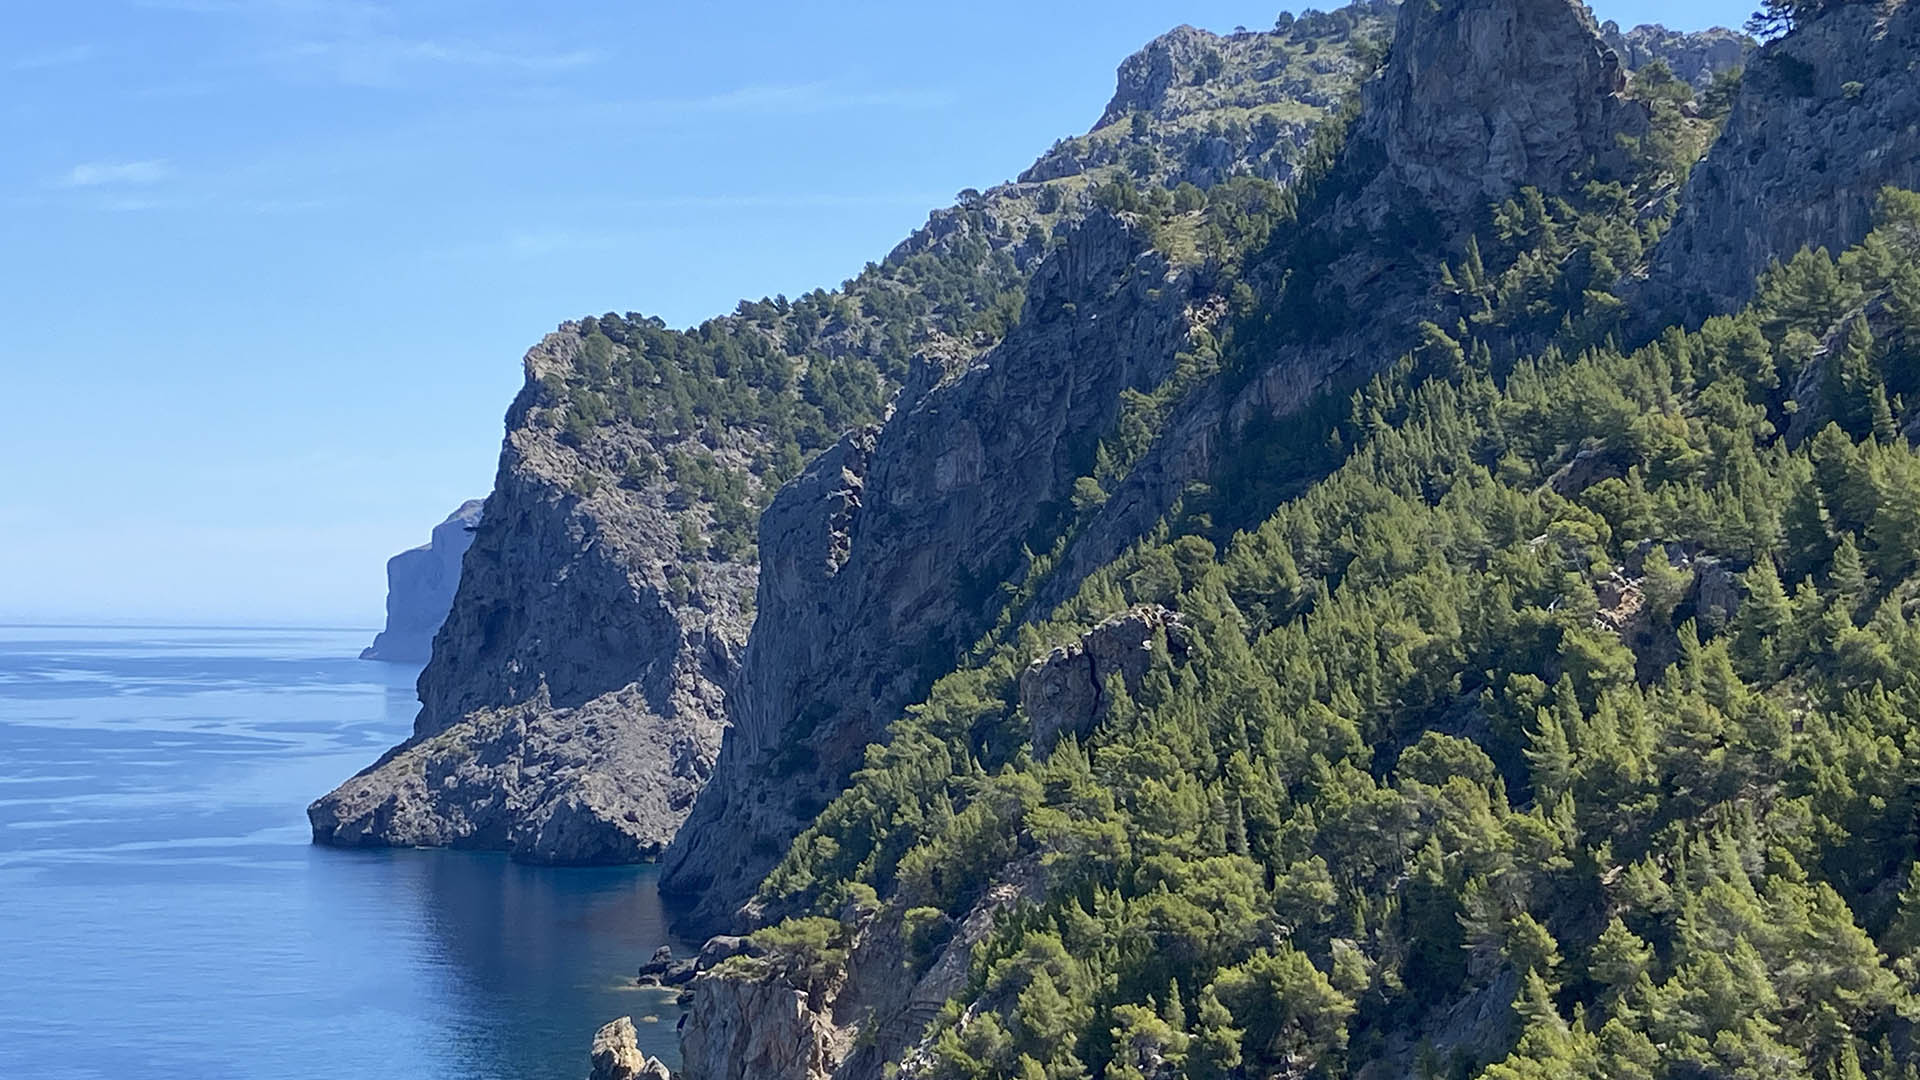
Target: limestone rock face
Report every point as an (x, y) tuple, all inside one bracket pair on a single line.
[(1483, 97), (1212, 106), (1825, 117), (764, 1029), (577, 587), (617, 1056), (591, 784), (573, 705), (1694, 57), (1064, 692), (759, 1028), (420, 585), (1477, 99), (872, 559)]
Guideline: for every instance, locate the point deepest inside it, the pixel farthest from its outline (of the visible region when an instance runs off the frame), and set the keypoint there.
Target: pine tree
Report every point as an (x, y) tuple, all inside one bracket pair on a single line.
[(1848, 578)]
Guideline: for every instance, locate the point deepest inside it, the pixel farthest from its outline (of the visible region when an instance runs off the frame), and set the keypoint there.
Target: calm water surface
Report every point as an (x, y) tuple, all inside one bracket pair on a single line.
[(163, 916)]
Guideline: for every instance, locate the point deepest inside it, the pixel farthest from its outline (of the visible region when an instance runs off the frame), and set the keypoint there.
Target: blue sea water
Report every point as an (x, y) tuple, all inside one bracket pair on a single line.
[(162, 914)]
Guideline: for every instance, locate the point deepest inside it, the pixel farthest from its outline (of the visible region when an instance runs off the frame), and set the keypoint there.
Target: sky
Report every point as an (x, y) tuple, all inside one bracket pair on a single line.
[(270, 265)]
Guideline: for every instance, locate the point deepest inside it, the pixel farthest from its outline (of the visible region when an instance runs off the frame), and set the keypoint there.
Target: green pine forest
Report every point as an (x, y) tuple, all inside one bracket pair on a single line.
[(1564, 683)]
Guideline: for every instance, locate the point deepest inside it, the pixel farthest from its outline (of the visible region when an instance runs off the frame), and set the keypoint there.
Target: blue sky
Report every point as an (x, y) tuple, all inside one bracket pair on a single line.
[(271, 264)]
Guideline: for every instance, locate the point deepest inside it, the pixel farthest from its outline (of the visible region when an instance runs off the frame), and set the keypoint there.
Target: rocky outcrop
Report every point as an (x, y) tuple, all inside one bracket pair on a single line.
[(1211, 106), (761, 1028), (745, 1024), (578, 586), (617, 1056), (882, 561), (1484, 97), (1064, 692), (1825, 117), (871, 562), (603, 782), (1694, 57), (573, 705), (1478, 99), (420, 585)]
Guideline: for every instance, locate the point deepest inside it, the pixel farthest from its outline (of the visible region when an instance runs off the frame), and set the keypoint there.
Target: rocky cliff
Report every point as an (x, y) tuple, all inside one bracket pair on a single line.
[(420, 586), (574, 702), (880, 564), (1824, 119), (1694, 57), (571, 709)]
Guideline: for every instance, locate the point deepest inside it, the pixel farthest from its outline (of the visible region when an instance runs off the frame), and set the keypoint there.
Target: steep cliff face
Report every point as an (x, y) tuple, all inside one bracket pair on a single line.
[(869, 557), (1198, 107), (1553, 91), (1477, 100), (607, 593), (420, 586), (881, 563), (1694, 57), (572, 707), (1825, 118), (1481, 99)]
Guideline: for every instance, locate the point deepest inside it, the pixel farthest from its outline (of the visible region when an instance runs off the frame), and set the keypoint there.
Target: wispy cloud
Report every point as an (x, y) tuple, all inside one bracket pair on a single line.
[(328, 10), (803, 98), (116, 173), (783, 201), (384, 61), (46, 59)]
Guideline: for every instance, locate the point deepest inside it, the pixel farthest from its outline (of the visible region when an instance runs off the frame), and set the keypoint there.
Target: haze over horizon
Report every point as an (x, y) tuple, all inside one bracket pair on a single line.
[(275, 261)]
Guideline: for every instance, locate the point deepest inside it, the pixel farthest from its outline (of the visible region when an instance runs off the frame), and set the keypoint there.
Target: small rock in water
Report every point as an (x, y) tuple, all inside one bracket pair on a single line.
[(617, 1056), (662, 960)]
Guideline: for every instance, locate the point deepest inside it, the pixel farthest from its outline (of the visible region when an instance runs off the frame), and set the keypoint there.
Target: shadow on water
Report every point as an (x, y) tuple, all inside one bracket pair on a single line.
[(533, 960), (165, 917)]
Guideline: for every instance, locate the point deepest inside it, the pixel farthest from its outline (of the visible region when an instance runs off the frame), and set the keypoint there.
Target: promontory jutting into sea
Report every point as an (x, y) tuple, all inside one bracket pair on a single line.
[(1390, 555), (1395, 555)]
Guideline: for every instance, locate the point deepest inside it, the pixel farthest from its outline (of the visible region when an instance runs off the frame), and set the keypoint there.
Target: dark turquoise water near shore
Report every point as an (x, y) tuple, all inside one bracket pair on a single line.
[(163, 916)]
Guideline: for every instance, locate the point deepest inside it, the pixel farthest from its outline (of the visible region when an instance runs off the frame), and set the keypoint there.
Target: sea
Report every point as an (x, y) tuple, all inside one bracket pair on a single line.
[(163, 915)]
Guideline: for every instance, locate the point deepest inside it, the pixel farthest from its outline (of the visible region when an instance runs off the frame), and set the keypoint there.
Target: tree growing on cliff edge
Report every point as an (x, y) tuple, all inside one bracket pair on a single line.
[(1777, 17)]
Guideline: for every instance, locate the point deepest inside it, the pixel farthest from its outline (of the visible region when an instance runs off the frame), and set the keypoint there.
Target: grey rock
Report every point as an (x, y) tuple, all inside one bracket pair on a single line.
[(1587, 468), (755, 1028), (571, 592), (1064, 692), (1223, 105), (1825, 117), (573, 706), (1695, 57), (868, 556), (420, 586), (662, 960), (1483, 97), (598, 783), (1477, 99), (722, 947), (1716, 593), (616, 1055)]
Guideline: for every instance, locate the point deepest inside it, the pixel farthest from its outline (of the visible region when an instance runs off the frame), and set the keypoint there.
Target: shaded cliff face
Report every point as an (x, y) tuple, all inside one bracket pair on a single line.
[(1480, 99), (608, 590), (1477, 101), (1486, 98), (1824, 119), (420, 587), (571, 709), (1693, 57), (1197, 107), (882, 563)]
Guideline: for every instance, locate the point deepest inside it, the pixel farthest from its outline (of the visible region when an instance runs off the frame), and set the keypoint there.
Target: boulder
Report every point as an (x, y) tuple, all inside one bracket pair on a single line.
[(617, 1056)]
